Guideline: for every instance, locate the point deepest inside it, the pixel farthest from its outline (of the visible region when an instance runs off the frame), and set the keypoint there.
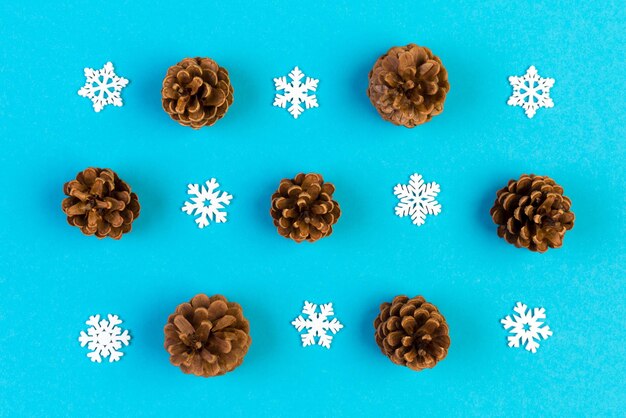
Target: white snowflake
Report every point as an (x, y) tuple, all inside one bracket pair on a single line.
[(295, 92), (207, 203), (417, 199), (104, 338), (526, 328), (531, 91), (103, 87), (317, 324)]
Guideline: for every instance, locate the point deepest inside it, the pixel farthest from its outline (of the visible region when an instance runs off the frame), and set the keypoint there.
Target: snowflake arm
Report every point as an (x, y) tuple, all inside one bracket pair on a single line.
[(296, 110), (280, 84), (309, 308), (104, 338), (295, 92), (207, 203), (310, 101), (417, 199), (526, 328), (326, 311), (531, 92), (334, 326), (310, 84), (103, 87), (308, 338), (280, 101), (325, 340)]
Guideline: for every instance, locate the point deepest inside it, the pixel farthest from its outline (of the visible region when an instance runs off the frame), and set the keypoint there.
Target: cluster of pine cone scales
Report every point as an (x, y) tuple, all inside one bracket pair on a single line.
[(197, 92), (303, 208), (412, 333), (533, 213), (100, 203), (208, 336), (408, 85)]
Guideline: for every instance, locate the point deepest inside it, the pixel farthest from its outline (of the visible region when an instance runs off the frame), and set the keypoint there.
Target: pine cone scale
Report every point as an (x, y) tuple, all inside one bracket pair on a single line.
[(429, 70), (409, 325), (200, 315), (181, 323)]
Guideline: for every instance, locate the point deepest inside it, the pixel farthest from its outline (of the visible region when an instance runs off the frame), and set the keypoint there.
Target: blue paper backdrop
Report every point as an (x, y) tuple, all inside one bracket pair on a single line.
[(52, 277)]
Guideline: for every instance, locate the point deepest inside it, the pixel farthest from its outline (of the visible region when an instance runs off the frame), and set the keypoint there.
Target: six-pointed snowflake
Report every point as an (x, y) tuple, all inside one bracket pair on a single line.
[(417, 199), (103, 87), (104, 338), (531, 91), (207, 203), (317, 324), (526, 328), (296, 92)]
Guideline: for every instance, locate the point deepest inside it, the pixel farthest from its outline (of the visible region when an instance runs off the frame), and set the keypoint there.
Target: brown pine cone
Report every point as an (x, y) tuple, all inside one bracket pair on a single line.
[(197, 92), (304, 209), (408, 85), (208, 336), (412, 333), (100, 203), (533, 213)]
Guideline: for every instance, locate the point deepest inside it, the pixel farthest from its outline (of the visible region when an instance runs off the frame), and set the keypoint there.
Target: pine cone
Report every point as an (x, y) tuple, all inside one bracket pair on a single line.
[(100, 203), (412, 333), (304, 209), (208, 336), (197, 92), (408, 85), (533, 213)]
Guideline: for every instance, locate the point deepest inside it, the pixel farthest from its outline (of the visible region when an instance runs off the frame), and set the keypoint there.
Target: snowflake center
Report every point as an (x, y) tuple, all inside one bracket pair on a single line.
[(105, 338), (104, 86)]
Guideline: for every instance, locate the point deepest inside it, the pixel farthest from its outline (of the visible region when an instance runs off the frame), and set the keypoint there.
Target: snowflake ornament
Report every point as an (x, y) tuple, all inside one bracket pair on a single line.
[(317, 324), (103, 87), (526, 328), (207, 203), (296, 92), (104, 338), (531, 91), (417, 199)]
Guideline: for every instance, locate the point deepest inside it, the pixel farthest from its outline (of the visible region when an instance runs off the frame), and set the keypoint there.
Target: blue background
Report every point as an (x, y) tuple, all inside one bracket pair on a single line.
[(52, 277)]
